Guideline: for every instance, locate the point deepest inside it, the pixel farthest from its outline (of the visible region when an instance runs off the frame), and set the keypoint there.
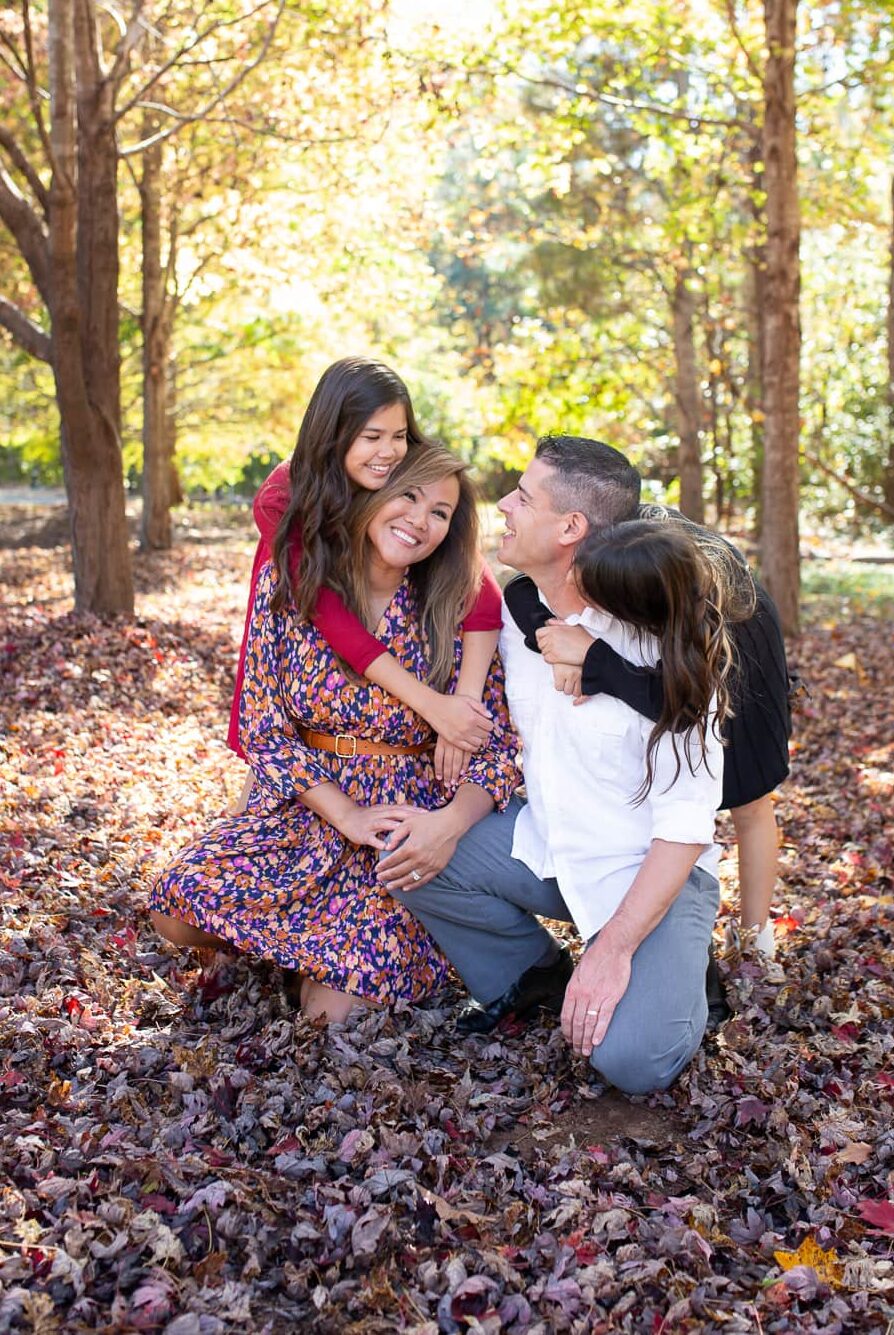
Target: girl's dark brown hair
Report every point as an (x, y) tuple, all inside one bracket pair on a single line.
[(346, 397), (447, 581), (653, 576)]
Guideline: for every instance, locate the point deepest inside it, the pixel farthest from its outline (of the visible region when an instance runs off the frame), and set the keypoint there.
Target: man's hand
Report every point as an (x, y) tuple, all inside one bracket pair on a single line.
[(421, 847), (559, 643), (458, 719), (450, 763), (597, 985), (371, 826)]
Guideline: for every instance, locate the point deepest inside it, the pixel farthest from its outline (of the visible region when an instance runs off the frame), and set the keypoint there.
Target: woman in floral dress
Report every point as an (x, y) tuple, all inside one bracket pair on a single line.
[(344, 770)]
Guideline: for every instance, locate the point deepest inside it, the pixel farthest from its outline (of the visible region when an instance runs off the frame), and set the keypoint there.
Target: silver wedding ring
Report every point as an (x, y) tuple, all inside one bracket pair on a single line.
[(414, 876), (596, 1012)]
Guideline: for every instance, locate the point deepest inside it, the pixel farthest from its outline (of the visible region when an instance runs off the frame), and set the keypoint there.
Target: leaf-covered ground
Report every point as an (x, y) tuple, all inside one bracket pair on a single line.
[(180, 1153)]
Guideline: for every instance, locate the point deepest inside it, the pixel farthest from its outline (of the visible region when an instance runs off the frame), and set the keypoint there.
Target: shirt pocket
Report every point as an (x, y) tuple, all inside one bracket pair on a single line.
[(606, 738)]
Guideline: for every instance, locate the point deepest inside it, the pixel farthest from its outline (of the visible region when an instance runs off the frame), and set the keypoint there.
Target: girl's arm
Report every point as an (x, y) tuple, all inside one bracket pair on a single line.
[(479, 647), (603, 670)]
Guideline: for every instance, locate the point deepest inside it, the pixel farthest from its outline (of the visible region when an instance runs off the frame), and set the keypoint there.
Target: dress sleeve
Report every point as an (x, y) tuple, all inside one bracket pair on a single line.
[(281, 763), (484, 614), (262, 555), (495, 767), (605, 672)]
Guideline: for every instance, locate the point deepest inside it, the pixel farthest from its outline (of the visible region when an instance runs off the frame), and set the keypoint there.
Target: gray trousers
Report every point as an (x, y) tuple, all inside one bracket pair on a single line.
[(481, 911)]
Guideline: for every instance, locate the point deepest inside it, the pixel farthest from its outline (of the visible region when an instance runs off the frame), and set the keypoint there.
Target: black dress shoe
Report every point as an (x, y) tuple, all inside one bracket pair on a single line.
[(538, 986), (718, 1008), (291, 988)]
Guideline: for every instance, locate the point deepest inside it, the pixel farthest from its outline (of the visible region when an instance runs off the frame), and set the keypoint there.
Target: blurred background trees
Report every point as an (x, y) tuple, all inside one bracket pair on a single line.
[(546, 216)]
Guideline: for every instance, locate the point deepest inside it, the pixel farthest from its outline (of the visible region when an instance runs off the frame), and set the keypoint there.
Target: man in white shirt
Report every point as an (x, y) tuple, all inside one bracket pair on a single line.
[(639, 881)]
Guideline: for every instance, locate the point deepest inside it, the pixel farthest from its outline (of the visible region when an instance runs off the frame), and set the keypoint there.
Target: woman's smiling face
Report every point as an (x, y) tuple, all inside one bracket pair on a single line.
[(408, 528)]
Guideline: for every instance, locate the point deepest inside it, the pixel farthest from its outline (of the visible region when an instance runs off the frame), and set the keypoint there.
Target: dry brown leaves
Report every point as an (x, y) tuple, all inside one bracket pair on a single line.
[(181, 1154)]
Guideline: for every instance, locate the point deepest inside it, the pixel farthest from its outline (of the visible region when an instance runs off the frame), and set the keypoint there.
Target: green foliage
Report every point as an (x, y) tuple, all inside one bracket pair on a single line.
[(502, 213), (840, 588)]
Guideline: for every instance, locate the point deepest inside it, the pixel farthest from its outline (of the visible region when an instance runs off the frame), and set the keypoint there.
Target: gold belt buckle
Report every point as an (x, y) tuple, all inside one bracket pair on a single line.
[(345, 737)]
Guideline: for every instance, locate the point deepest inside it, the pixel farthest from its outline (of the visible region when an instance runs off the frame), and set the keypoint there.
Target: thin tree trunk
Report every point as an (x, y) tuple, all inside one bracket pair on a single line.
[(782, 335), (687, 399), (888, 476), (83, 249), (755, 268), (155, 533), (175, 489)]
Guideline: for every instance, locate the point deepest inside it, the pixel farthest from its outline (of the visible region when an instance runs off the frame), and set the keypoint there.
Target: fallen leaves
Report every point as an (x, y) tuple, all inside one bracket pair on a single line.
[(826, 1264), (180, 1153)]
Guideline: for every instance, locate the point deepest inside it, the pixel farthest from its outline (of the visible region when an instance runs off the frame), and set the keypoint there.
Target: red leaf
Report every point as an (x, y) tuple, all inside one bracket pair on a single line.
[(880, 1213), (751, 1109)]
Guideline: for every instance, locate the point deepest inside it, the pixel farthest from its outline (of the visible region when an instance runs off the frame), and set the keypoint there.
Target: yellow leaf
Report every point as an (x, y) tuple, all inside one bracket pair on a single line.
[(855, 1151), (853, 664), (828, 1268)]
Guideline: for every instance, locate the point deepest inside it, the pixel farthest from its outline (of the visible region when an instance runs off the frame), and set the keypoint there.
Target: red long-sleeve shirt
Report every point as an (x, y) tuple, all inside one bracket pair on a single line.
[(348, 637)]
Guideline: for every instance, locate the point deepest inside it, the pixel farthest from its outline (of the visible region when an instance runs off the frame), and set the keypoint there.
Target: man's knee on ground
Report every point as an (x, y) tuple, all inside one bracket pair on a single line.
[(651, 1064)]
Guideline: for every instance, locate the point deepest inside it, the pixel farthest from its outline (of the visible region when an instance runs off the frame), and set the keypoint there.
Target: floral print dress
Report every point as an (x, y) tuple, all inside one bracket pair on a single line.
[(281, 882)]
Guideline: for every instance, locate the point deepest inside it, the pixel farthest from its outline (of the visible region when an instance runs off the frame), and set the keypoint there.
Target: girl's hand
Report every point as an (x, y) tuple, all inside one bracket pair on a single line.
[(450, 763), (459, 720), (564, 644), (421, 848), (567, 679), (371, 826)]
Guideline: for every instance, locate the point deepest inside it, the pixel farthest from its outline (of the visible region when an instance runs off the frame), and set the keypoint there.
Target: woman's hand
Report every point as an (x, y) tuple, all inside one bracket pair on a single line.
[(419, 849), (564, 644), (450, 763), (459, 719), (371, 826)]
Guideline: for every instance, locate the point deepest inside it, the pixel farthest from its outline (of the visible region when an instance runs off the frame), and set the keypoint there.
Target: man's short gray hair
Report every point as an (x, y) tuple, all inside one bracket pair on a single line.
[(591, 477)]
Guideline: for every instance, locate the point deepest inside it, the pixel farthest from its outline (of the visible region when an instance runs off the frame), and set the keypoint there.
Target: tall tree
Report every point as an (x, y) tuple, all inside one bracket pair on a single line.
[(888, 474), (780, 317), (78, 235), (59, 201)]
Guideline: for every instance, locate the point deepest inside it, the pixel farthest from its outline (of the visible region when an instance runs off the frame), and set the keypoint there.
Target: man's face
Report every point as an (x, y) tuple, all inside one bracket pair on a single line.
[(532, 540)]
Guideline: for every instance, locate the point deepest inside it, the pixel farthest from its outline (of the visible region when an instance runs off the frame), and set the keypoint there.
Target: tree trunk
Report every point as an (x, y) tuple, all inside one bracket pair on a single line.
[(175, 489), (782, 334), (687, 399), (83, 258), (888, 475), (155, 533), (755, 269)]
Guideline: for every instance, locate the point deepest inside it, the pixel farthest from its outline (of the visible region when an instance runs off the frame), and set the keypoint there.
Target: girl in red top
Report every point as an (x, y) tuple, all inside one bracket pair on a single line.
[(358, 426)]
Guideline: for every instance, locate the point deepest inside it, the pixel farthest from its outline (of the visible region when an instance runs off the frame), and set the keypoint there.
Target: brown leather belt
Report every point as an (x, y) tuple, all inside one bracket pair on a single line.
[(346, 747)]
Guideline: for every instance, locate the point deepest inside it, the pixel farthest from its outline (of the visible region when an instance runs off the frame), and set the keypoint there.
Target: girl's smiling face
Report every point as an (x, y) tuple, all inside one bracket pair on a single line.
[(408, 528), (373, 455)]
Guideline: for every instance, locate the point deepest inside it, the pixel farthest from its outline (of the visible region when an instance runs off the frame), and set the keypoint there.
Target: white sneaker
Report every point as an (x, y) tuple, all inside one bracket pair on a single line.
[(765, 941)]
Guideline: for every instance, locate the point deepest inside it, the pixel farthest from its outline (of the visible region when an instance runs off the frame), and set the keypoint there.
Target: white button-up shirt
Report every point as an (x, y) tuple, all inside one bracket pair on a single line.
[(583, 767)]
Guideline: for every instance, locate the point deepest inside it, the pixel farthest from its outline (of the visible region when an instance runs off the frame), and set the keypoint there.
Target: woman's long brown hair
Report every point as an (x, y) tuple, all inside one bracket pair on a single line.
[(653, 576), (447, 581), (346, 397)]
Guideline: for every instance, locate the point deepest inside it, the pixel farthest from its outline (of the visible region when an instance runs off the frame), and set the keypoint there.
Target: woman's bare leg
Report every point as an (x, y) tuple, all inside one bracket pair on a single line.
[(319, 1001), (181, 933), (758, 839)]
